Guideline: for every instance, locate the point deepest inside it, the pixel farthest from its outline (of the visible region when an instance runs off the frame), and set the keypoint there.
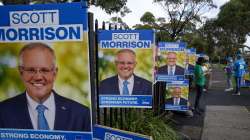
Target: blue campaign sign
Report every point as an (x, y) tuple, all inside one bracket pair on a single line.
[(169, 62), (50, 22), (172, 46), (176, 97), (178, 83), (176, 107), (192, 50), (190, 61), (201, 55), (139, 101), (169, 78), (18, 134), (106, 133), (125, 68), (245, 82), (61, 29), (134, 39)]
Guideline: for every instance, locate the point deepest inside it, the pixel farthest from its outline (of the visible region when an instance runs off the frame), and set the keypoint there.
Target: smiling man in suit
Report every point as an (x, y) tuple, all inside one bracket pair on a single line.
[(40, 107), (189, 68), (171, 68), (125, 82), (176, 98)]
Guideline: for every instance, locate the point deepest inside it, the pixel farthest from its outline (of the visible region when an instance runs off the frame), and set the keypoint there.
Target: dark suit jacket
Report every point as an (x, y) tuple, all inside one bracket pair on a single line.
[(110, 86), (189, 69), (164, 70), (171, 101), (70, 115)]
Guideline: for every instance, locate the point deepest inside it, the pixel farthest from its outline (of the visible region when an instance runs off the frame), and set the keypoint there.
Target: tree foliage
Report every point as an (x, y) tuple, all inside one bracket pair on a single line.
[(183, 13), (112, 6), (148, 18), (234, 19)]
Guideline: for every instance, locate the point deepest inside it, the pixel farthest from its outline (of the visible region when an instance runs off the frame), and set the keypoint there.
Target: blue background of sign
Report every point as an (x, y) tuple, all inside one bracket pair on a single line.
[(66, 12), (167, 44), (99, 133), (142, 101), (144, 34), (67, 135)]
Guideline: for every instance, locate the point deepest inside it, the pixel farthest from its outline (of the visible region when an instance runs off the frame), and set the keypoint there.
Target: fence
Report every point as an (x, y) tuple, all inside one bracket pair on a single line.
[(114, 117)]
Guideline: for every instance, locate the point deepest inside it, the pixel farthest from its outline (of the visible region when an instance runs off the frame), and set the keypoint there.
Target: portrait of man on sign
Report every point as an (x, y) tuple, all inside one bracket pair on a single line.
[(40, 106), (125, 82), (171, 68), (176, 97)]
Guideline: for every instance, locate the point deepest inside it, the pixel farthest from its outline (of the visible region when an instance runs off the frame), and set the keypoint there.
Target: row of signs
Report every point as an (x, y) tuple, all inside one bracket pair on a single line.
[(128, 61), (131, 56), (99, 133)]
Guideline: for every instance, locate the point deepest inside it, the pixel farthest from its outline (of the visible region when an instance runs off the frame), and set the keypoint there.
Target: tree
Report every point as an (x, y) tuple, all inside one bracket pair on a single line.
[(115, 21), (234, 19), (182, 13), (148, 18)]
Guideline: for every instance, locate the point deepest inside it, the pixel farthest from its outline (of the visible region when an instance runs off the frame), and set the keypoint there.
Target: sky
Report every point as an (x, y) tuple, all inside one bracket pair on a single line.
[(139, 7)]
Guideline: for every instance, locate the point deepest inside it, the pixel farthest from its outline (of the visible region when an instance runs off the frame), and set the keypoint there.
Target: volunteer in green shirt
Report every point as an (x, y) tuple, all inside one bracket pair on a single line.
[(199, 82)]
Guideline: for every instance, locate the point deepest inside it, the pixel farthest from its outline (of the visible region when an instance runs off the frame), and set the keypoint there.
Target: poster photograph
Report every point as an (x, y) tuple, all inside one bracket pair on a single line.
[(125, 67), (190, 61), (44, 71), (170, 61), (176, 96)]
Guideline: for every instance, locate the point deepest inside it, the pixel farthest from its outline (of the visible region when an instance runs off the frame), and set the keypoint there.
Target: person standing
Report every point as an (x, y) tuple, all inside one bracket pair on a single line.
[(229, 73), (200, 81), (239, 70)]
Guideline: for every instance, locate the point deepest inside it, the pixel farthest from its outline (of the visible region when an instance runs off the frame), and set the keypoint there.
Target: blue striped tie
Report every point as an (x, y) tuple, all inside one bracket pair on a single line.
[(42, 122), (125, 88), (171, 71)]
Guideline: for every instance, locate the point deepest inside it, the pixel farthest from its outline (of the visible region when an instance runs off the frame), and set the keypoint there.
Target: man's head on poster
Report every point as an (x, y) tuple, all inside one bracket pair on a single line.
[(171, 68), (176, 97), (40, 107), (126, 82)]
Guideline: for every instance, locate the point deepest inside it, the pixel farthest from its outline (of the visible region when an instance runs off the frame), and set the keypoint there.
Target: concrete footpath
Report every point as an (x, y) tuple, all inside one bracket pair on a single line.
[(226, 123), (225, 117)]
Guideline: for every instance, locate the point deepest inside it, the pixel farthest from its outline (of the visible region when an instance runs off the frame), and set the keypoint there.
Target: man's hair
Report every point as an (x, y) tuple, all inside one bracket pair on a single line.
[(125, 51), (177, 89), (172, 53), (36, 45)]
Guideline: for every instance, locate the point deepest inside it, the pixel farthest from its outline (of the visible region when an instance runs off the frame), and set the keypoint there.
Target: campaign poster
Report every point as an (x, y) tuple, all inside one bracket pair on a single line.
[(246, 80), (27, 134), (107, 133), (125, 67), (190, 61), (170, 61), (54, 64), (176, 96)]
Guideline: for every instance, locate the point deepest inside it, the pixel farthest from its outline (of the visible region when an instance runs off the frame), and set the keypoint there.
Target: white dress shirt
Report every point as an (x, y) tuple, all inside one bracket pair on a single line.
[(48, 113), (173, 69), (176, 101), (130, 84)]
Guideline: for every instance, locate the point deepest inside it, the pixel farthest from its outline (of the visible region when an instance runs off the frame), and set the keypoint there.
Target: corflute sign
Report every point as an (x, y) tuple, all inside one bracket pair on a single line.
[(41, 24)]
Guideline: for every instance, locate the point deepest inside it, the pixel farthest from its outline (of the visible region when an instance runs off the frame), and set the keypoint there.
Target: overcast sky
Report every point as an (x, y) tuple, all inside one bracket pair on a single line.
[(139, 7)]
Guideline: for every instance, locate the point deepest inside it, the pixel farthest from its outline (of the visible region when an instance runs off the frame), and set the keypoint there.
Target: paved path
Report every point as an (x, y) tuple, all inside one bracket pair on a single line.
[(227, 117), (226, 123), (224, 113)]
